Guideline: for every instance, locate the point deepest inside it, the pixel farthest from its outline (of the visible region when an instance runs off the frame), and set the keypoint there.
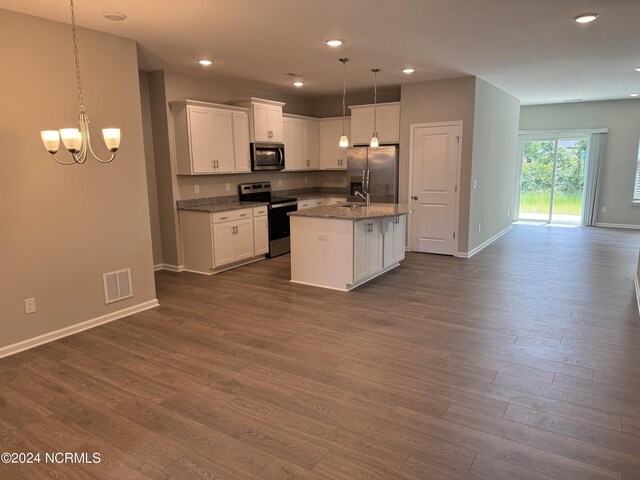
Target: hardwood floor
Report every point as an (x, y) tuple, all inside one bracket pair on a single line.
[(520, 363)]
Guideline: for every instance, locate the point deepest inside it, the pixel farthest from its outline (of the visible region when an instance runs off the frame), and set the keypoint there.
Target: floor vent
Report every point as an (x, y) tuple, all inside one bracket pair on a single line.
[(117, 285)]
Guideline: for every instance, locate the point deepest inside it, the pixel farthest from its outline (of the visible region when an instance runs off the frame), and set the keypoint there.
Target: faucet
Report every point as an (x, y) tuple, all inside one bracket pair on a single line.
[(365, 196)]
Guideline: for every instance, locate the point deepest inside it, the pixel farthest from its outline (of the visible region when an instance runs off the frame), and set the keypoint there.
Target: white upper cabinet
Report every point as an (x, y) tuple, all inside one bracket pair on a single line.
[(210, 138), (387, 123), (332, 156), (241, 142), (301, 149), (266, 120)]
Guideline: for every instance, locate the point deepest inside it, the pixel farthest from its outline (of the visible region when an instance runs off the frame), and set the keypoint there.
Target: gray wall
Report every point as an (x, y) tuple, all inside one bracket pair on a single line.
[(331, 105), (440, 101), (152, 188), (494, 159), (64, 226), (622, 118)]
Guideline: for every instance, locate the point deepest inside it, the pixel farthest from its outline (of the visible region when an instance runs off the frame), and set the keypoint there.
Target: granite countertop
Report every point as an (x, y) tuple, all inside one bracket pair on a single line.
[(304, 196), (337, 212), (222, 207)]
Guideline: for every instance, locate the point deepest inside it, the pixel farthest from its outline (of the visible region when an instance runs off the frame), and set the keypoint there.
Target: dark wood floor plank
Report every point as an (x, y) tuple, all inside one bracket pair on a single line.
[(383, 454), (585, 452), (208, 442), (631, 426), (501, 448), (490, 468), (610, 406), (522, 362), (282, 470), (605, 437), (598, 388), (399, 439), (268, 438), (341, 467), (115, 463), (419, 468), (382, 393)]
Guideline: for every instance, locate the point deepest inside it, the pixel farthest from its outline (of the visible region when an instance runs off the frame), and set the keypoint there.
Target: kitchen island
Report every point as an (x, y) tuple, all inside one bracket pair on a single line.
[(343, 246)]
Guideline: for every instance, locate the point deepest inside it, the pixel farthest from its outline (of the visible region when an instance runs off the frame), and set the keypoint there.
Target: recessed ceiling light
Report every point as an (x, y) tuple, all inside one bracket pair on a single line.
[(334, 42), (408, 71), (298, 84), (114, 16), (634, 94), (586, 17), (637, 69), (204, 62)]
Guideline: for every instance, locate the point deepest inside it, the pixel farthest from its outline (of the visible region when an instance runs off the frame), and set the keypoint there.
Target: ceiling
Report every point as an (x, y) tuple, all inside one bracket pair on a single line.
[(532, 49)]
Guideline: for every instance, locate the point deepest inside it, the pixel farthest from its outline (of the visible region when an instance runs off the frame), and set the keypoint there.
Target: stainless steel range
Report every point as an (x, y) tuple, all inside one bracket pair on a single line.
[(279, 241)]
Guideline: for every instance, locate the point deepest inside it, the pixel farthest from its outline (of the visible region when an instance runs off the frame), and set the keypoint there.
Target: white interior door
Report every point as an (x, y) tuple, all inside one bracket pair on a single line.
[(435, 159)]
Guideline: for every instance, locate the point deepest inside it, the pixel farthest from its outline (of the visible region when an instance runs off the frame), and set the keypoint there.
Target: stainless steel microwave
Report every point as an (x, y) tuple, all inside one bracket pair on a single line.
[(267, 156)]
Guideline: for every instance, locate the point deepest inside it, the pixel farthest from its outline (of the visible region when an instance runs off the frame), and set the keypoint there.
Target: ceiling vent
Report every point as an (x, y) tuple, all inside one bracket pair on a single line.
[(117, 285)]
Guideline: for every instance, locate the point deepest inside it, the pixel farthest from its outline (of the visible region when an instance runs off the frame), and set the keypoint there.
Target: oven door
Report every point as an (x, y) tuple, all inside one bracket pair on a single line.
[(265, 156), (279, 227)]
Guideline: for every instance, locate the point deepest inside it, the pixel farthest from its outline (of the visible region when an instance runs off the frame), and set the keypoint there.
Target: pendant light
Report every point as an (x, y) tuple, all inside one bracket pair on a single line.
[(77, 141), (374, 138), (344, 141)]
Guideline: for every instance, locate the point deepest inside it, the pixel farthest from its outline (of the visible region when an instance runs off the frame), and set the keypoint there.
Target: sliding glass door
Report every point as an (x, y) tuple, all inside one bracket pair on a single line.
[(552, 179)]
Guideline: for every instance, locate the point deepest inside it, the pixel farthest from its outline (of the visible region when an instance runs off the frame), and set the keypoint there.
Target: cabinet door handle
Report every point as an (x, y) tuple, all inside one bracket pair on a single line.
[(243, 214), (415, 197), (223, 218)]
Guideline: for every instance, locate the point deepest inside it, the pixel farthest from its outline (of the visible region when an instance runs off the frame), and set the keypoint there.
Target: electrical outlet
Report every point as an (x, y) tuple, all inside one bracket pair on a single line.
[(475, 183), (29, 305), (604, 209), (306, 180), (227, 186), (322, 237), (508, 213), (280, 182), (479, 228), (197, 188)]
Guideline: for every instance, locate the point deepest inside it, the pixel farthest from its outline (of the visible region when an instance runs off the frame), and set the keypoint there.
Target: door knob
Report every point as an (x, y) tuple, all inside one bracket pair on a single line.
[(415, 197)]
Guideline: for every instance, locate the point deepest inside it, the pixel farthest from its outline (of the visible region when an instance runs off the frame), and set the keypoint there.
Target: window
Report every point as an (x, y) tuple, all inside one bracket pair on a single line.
[(636, 186)]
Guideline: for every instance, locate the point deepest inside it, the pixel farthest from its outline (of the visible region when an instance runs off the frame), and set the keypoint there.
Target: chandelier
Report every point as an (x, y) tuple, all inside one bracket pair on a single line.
[(77, 140)]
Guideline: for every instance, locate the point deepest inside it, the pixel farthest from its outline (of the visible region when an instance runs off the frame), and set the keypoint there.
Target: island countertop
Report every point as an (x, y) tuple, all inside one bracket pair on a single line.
[(222, 207), (338, 212)]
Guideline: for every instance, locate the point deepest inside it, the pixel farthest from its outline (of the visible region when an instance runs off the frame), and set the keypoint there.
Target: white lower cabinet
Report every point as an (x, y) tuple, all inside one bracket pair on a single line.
[(367, 248), (260, 231), (232, 241), (393, 231), (219, 240)]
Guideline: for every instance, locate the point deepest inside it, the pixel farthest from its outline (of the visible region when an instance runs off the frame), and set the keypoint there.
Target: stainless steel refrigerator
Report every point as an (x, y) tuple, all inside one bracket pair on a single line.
[(374, 170)]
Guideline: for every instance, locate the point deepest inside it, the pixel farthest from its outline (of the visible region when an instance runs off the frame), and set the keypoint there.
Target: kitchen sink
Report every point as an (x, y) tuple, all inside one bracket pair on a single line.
[(351, 205)]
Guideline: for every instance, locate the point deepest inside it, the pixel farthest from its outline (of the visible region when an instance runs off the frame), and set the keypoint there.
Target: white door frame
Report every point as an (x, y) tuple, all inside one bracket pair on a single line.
[(456, 208), (542, 135)]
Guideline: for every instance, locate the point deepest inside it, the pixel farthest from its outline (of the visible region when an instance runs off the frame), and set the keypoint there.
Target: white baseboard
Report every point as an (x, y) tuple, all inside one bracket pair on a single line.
[(635, 281), (484, 245), (618, 225), (169, 267), (78, 327)]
